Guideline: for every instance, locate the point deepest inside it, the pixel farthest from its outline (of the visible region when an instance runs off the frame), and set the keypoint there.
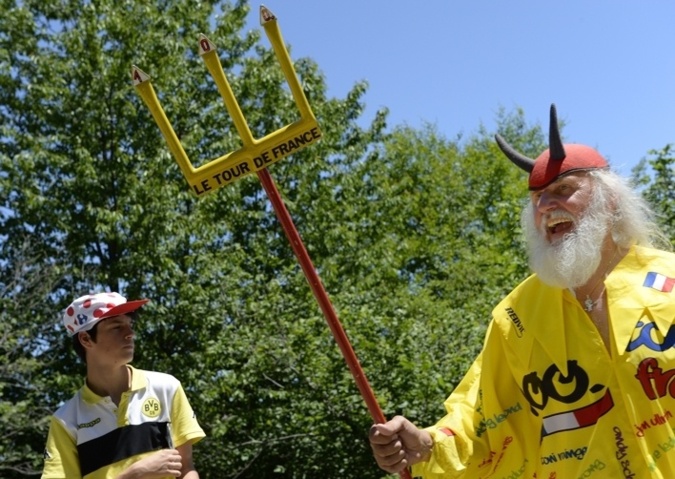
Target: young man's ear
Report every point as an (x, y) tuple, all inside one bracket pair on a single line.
[(85, 339)]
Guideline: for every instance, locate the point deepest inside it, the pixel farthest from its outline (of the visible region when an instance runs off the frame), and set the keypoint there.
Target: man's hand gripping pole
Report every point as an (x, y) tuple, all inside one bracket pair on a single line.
[(255, 156)]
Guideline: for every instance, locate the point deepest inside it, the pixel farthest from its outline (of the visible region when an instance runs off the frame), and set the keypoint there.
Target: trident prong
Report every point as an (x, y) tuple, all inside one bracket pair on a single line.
[(255, 156)]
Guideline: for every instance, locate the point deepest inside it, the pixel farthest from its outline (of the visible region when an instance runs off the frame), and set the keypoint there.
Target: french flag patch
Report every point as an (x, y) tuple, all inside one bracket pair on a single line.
[(659, 282)]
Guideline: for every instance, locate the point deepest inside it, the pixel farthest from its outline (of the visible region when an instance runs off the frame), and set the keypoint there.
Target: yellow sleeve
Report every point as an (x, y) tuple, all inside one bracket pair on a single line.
[(184, 425), (485, 417), (61, 458), (453, 446)]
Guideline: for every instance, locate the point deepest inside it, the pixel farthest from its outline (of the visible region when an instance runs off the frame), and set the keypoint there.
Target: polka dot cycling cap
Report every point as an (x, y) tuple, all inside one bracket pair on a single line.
[(86, 311)]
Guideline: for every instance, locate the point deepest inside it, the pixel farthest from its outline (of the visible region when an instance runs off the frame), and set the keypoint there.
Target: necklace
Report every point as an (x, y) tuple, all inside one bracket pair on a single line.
[(590, 303)]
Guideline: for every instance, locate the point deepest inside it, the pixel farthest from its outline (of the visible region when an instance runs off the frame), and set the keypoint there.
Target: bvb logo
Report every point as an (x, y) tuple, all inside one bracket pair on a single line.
[(151, 407)]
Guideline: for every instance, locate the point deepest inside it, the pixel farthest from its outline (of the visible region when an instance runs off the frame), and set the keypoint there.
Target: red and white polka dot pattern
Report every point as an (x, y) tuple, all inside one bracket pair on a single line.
[(86, 311)]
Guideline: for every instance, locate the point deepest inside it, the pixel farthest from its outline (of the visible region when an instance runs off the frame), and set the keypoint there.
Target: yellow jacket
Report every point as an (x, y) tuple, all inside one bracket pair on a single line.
[(545, 399)]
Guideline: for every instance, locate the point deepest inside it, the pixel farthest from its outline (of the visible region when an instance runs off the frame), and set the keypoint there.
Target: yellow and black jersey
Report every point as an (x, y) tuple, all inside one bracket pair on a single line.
[(90, 437)]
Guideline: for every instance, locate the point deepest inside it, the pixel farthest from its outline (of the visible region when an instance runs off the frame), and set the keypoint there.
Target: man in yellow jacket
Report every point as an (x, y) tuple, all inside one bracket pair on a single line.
[(576, 378)]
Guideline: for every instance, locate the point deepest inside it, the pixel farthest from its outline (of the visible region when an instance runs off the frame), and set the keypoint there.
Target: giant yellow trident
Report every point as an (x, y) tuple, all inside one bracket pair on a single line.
[(255, 156)]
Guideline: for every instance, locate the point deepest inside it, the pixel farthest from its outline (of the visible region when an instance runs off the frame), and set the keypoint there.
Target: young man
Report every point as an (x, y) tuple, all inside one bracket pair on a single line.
[(124, 423), (576, 376)]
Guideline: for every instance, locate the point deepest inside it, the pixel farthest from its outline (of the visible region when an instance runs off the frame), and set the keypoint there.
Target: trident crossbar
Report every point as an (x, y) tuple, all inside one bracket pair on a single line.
[(255, 156)]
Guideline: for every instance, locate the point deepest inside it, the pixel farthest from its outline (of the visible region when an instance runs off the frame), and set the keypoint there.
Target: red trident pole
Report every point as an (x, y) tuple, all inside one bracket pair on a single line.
[(320, 294), (255, 156)]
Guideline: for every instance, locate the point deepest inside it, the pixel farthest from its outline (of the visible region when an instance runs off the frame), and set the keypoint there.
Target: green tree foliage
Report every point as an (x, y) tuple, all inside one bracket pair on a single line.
[(87, 178), (415, 238), (656, 174), (25, 280)]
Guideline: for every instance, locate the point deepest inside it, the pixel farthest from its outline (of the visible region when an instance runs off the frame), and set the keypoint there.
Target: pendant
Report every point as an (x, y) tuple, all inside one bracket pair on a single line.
[(588, 304)]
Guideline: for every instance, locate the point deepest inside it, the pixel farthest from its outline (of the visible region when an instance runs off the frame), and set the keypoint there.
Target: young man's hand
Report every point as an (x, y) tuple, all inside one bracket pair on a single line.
[(167, 462)]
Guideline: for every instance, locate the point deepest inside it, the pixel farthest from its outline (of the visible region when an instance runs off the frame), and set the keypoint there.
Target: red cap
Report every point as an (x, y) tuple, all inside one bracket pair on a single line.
[(577, 158), (556, 161)]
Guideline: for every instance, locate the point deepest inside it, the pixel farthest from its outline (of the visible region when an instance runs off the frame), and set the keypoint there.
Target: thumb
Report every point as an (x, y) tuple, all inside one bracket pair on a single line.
[(397, 425)]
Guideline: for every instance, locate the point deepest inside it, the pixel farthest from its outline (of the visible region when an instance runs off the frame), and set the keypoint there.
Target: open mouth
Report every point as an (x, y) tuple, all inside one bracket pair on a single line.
[(557, 226)]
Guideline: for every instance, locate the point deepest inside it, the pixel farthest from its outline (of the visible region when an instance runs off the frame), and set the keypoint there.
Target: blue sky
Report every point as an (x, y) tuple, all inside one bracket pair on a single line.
[(608, 65)]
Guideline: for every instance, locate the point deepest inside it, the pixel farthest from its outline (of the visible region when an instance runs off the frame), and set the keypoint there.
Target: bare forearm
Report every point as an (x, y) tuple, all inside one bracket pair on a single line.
[(131, 473), (163, 463)]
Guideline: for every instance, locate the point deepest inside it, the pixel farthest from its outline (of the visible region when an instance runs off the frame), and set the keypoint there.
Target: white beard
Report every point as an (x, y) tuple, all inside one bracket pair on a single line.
[(572, 261)]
